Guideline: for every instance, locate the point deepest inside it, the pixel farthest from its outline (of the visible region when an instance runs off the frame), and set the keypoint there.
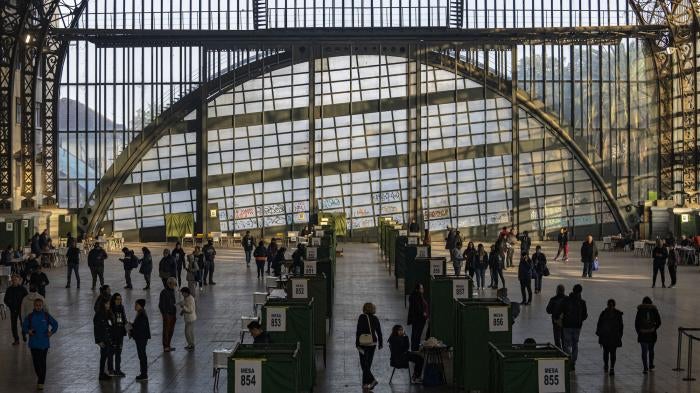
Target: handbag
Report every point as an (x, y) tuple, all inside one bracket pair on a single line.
[(366, 339), (546, 272), (596, 265)]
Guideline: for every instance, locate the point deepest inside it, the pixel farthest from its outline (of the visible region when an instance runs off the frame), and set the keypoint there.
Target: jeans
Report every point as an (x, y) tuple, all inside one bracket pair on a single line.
[(526, 285), (565, 249), (261, 268), (168, 329), (208, 272), (115, 360), (647, 355), (480, 277), (143, 359), (672, 274), (416, 334), (570, 341), (248, 254), (127, 277), (105, 355), (39, 360), (557, 332), (588, 269), (73, 267), (189, 333), (659, 268), (609, 352), (178, 269), (458, 267), (509, 257), (538, 282), (499, 272), (97, 271), (366, 364)]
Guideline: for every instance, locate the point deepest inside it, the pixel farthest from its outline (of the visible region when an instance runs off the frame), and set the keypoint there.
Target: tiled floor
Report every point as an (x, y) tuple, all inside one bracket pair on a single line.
[(361, 277)]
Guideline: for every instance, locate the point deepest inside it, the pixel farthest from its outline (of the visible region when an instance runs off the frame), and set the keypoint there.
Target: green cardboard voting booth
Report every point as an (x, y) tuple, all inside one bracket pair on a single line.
[(313, 287), (443, 292), (24, 230), (478, 322), (264, 368), (420, 270), (291, 321), (528, 369)]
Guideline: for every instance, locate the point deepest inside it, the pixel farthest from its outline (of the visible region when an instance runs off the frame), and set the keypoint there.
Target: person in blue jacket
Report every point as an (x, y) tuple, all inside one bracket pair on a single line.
[(39, 326)]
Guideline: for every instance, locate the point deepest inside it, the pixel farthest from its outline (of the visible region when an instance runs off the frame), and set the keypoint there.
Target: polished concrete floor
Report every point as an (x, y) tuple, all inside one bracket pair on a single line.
[(361, 277)]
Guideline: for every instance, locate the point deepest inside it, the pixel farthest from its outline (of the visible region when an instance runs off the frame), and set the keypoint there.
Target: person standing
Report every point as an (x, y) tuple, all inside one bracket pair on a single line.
[(526, 272), (271, 253), (141, 333), (525, 242), (248, 244), (103, 323), (457, 260), (166, 268), (468, 257), (168, 311), (73, 263), (13, 299), (96, 263), (298, 260), (511, 239), (192, 270), (278, 262), (39, 325), (609, 331), (39, 280), (146, 267), (646, 323), (260, 255), (539, 260), (188, 310), (493, 261), (673, 259), (179, 257), (418, 314), (104, 297), (118, 333), (574, 313), (130, 262), (563, 241), (209, 255), (368, 335), (659, 256), (589, 252), (555, 308), (480, 261), (499, 265), (413, 226)]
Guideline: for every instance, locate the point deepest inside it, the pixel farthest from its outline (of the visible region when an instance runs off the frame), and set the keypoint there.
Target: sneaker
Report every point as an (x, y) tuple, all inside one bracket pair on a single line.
[(142, 378), (416, 380)]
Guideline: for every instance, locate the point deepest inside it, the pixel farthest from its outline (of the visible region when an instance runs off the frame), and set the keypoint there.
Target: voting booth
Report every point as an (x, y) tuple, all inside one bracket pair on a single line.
[(478, 322), (444, 291), (528, 369), (313, 287), (264, 368), (420, 269)]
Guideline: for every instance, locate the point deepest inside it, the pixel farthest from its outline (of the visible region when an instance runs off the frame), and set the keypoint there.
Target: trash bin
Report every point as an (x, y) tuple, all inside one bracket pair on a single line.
[(478, 322), (521, 368), (443, 292), (291, 321), (264, 368)]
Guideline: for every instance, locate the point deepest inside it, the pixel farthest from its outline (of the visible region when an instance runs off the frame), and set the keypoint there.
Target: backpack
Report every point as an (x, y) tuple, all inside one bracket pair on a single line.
[(647, 323)]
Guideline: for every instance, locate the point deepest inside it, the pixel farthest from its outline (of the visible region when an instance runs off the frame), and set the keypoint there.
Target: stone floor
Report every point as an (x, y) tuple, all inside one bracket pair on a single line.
[(361, 277)]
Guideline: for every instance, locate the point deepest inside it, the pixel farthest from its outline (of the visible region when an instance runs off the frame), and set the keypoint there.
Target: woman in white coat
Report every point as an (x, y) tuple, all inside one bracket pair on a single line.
[(188, 310)]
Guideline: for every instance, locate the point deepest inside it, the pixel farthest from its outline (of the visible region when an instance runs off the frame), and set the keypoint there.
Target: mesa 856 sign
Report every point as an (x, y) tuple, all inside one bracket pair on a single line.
[(248, 376)]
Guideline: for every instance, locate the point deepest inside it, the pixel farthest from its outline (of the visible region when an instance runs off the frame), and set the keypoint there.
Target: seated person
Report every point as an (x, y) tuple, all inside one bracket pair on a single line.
[(401, 355), (259, 335), (6, 258)]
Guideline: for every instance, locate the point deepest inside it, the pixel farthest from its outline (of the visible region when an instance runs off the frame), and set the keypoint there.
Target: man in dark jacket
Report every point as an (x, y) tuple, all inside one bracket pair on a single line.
[(73, 263), (168, 310), (646, 323), (574, 313), (555, 308), (105, 296), (13, 299), (259, 335), (167, 268), (39, 280), (248, 244), (102, 328), (525, 242), (209, 254), (526, 272), (96, 263), (44, 240), (659, 255), (141, 333), (130, 262), (589, 252)]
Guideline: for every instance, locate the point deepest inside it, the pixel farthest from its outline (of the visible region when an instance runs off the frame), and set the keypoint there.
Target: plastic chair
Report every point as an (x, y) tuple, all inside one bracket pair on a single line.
[(399, 366), (220, 363)]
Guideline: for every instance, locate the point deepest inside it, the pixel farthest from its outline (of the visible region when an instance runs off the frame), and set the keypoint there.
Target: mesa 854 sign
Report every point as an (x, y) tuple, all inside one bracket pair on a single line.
[(248, 376)]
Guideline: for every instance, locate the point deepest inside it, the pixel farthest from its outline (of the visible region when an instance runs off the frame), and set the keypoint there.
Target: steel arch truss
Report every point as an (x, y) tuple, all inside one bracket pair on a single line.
[(96, 207)]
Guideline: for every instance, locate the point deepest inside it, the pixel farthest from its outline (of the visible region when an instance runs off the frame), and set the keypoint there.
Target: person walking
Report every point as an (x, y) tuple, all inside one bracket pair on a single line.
[(401, 355), (646, 323), (209, 255), (368, 336), (659, 256), (199, 260), (609, 331), (146, 267), (673, 259), (499, 265), (179, 257), (192, 270), (468, 258), (141, 332), (96, 263), (168, 311), (39, 280), (39, 325), (73, 263), (13, 299), (271, 253), (248, 244), (418, 315), (493, 261), (525, 242), (260, 255), (555, 308), (166, 268), (526, 272), (103, 323), (118, 333), (130, 262), (539, 260), (589, 252), (563, 241), (188, 310), (480, 261), (298, 260), (574, 313)]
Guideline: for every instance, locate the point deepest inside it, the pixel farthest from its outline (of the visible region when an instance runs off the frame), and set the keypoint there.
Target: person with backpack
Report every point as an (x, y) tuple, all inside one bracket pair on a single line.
[(526, 272), (248, 244), (368, 336), (209, 254), (118, 333), (13, 299), (73, 263), (539, 260), (260, 255), (103, 323), (574, 313), (278, 262), (39, 325), (179, 257), (659, 256), (457, 260), (673, 259), (166, 268), (146, 267), (555, 309), (609, 331), (141, 332), (130, 262), (96, 263), (646, 323)]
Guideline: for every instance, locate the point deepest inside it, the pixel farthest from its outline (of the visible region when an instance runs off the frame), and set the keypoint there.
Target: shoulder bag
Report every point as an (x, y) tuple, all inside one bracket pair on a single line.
[(367, 339)]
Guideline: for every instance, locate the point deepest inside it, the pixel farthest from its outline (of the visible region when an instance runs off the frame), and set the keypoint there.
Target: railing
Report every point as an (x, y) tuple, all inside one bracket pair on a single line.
[(684, 332)]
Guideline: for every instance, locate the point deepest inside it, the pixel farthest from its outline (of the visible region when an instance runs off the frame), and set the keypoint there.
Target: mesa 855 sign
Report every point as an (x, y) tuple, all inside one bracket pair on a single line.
[(248, 376), (551, 375)]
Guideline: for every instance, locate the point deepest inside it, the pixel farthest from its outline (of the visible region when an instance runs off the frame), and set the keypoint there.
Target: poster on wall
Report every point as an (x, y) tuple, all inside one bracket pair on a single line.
[(9, 227)]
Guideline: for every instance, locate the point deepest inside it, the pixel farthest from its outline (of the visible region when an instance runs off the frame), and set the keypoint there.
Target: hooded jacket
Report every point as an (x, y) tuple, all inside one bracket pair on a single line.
[(39, 322), (610, 328), (575, 311), (646, 323)]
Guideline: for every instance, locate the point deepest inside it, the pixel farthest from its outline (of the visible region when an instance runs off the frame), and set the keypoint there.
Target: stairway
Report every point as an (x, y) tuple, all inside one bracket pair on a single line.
[(456, 14), (259, 14)]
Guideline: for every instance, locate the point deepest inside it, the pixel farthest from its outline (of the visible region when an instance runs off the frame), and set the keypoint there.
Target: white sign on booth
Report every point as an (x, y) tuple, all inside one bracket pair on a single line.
[(319, 233), (248, 376), (421, 252), (412, 240), (498, 319), (403, 232), (551, 375), (300, 288), (315, 241), (311, 253), (276, 319), (310, 267), (436, 267), (459, 289)]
